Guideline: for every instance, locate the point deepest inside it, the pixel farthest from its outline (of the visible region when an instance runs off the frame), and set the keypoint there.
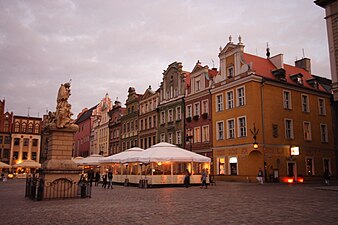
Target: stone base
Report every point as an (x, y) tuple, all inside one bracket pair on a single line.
[(62, 165)]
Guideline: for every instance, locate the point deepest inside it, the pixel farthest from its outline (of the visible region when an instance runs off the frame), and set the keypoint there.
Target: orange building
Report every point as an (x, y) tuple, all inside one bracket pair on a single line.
[(281, 108)]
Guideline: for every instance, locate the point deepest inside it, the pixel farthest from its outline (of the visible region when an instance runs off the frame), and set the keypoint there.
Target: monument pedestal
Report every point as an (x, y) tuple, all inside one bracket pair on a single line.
[(59, 173)]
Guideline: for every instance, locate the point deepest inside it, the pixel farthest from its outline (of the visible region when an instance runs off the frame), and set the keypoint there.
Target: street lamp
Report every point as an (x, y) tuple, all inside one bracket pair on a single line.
[(254, 132)]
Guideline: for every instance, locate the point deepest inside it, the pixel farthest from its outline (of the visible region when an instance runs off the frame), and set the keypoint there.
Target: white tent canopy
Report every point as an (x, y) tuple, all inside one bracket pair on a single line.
[(28, 164), (165, 152), (122, 156), (92, 160), (4, 165)]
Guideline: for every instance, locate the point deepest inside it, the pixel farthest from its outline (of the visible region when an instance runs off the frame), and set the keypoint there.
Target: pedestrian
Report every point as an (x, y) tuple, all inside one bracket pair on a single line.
[(327, 176), (260, 176), (187, 178), (3, 176), (91, 176), (104, 181), (97, 178), (110, 179), (204, 179)]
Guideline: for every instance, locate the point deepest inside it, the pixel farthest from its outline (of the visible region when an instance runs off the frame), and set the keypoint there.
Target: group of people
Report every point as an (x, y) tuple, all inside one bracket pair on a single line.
[(204, 176), (107, 179)]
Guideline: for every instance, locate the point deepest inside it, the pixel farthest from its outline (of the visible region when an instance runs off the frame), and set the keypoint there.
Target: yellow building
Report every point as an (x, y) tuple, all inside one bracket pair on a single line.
[(280, 107)]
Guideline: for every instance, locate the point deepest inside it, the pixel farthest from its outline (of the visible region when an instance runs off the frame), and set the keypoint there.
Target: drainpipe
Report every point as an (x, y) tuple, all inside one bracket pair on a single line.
[(262, 129)]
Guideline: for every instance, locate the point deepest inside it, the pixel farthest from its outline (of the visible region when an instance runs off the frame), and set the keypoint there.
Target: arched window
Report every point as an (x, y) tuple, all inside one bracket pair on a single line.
[(37, 127), (17, 127), (30, 128), (23, 127)]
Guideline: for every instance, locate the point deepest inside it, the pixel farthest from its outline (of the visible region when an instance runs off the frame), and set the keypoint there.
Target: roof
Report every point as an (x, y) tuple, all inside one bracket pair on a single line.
[(263, 67), (86, 115)]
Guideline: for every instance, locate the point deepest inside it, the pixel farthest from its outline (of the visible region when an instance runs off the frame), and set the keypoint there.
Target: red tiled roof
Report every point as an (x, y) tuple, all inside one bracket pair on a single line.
[(263, 67)]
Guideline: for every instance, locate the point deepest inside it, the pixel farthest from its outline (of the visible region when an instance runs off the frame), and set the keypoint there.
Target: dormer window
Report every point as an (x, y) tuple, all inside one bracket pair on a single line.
[(313, 82), (197, 85), (279, 74), (297, 78), (230, 72)]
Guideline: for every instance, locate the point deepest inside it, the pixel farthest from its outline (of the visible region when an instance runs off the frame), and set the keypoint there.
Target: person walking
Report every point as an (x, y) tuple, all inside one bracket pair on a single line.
[(187, 178), (97, 178), (110, 179), (327, 176), (260, 176), (204, 179), (104, 181)]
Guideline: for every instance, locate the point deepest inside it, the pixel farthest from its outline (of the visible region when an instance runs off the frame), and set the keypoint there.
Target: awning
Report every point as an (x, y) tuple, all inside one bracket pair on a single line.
[(122, 156), (28, 164), (5, 165)]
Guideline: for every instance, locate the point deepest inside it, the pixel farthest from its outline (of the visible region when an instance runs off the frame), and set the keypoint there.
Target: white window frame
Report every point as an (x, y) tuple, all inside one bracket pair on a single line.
[(307, 133), (205, 133), (205, 106), (178, 137), (242, 129), (162, 137), (189, 111), (305, 105), (219, 104), (324, 137), (197, 134), (197, 84), (218, 137), (230, 101), (230, 71), (321, 106), (197, 108), (231, 133), (312, 166), (288, 129), (287, 103), (178, 113), (170, 115), (170, 138), (240, 100), (162, 115)]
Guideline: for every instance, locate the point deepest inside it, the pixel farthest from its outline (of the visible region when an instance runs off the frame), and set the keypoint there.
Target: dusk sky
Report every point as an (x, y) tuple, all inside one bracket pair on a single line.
[(108, 46)]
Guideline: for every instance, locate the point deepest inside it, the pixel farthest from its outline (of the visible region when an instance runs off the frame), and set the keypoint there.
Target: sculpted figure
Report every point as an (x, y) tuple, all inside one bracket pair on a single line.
[(62, 117)]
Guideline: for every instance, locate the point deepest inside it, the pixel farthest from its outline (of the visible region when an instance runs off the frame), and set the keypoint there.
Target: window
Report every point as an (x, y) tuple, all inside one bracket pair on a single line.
[(287, 100), (25, 142), (33, 155), (205, 106), (154, 121), (24, 155), (220, 130), (30, 128), (230, 72), (16, 141), (15, 155), (205, 134), (23, 127), (162, 138), (219, 103), (197, 85), (327, 164), (170, 138), (170, 115), (240, 96), (221, 166), (145, 123), (178, 137), (7, 139), (162, 117), (288, 128), (231, 129), (149, 119), (230, 100), (307, 131), (321, 106), (233, 165), (189, 110), (178, 113), (141, 124), (242, 127), (17, 127), (305, 103), (275, 130), (323, 133), (6, 125), (197, 109), (309, 166), (197, 134)]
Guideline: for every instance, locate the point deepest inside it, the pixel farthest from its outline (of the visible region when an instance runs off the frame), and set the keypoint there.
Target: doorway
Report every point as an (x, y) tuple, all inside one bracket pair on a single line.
[(292, 170)]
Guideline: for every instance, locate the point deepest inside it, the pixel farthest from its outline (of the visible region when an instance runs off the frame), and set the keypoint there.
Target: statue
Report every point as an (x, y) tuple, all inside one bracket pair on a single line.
[(62, 117)]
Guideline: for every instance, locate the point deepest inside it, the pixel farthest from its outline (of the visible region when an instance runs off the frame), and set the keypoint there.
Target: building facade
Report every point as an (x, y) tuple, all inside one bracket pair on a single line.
[(148, 118), (6, 119), (115, 128), (82, 137), (277, 106), (129, 121), (100, 131), (25, 139), (198, 110), (171, 105)]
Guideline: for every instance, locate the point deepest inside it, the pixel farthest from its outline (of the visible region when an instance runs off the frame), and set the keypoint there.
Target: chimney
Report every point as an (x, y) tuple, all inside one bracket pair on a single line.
[(277, 61), (304, 63)]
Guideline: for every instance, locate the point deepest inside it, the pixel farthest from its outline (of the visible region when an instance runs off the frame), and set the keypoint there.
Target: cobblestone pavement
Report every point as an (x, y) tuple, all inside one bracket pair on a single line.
[(226, 203)]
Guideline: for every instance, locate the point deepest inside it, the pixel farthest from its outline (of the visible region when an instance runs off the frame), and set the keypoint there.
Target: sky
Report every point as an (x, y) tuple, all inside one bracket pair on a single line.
[(108, 46)]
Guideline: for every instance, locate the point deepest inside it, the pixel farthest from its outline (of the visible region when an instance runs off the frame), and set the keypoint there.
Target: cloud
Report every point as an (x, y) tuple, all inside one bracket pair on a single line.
[(108, 46)]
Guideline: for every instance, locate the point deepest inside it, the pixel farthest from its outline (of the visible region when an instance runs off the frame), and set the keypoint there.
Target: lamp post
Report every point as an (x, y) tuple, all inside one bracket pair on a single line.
[(254, 133)]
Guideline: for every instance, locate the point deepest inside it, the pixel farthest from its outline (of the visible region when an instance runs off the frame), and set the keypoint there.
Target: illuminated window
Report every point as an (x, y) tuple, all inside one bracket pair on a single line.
[(233, 165), (205, 134), (221, 166), (197, 134), (309, 166)]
